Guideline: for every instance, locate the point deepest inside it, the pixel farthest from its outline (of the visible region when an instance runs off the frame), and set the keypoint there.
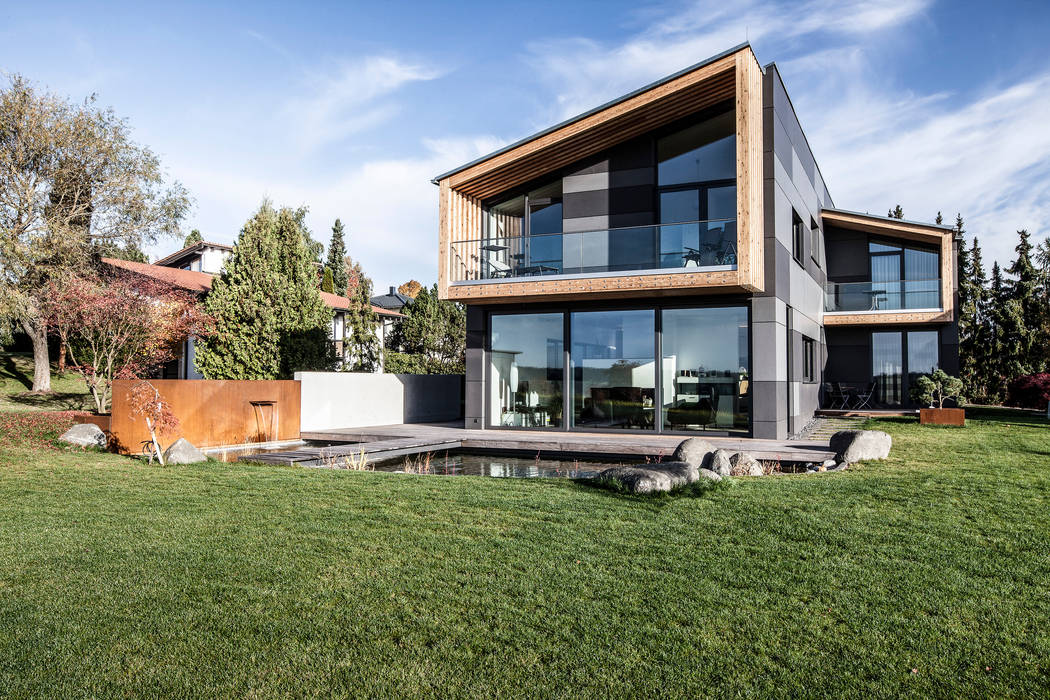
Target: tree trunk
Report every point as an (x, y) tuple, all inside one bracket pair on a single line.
[(37, 333), (62, 356)]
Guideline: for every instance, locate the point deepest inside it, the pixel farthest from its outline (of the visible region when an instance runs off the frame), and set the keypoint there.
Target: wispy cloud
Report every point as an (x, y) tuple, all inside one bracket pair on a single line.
[(352, 97), (985, 154), (583, 72)]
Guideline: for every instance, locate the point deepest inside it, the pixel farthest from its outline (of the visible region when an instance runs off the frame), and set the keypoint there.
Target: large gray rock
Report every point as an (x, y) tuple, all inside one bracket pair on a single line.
[(743, 464), (858, 445), (708, 474), (84, 435), (719, 462), (693, 451), (182, 451), (650, 478)]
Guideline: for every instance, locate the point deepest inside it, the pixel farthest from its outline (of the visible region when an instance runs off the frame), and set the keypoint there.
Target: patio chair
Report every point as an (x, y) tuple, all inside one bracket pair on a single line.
[(864, 397), (837, 400), (846, 393)]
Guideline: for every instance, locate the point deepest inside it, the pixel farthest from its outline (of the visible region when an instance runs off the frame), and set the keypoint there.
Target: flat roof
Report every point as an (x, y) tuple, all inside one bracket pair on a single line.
[(887, 219), (595, 110)]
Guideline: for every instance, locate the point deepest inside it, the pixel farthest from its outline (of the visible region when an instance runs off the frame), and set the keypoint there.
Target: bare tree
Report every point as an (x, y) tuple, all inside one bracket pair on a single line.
[(72, 185)]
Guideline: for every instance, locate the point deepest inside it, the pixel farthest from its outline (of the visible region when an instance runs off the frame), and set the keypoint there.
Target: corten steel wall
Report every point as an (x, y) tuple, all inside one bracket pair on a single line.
[(211, 412)]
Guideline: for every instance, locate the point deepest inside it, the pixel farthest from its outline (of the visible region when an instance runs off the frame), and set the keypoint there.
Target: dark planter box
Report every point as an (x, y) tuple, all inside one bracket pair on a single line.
[(942, 416)]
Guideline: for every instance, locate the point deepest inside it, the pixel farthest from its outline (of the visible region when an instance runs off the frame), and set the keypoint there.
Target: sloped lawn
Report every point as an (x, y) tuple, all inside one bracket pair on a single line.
[(927, 575)]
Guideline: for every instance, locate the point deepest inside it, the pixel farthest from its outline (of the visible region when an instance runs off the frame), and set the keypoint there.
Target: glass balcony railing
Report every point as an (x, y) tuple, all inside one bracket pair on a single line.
[(699, 244), (882, 296)]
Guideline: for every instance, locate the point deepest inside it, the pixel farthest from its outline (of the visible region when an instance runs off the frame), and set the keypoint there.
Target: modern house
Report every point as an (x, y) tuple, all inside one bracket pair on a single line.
[(191, 269), (672, 261)]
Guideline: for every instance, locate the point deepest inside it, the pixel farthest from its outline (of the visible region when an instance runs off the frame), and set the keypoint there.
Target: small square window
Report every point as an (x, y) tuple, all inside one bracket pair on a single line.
[(809, 360)]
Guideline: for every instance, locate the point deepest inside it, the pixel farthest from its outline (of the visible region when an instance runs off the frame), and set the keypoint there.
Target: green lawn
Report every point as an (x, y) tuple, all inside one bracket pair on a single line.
[(68, 391), (120, 579)]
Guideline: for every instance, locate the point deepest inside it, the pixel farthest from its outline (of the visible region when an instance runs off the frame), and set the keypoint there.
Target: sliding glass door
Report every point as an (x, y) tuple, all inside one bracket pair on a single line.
[(613, 363), (701, 382), (898, 359)]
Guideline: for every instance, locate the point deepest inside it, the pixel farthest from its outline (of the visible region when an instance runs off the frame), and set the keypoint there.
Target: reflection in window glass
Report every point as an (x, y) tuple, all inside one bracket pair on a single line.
[(526, 362), (886, 367), (705, 382), (614, 369), (700, 153), (922, 354)]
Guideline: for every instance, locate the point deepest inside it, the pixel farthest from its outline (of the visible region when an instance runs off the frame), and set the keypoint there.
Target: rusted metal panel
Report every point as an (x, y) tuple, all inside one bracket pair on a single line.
[(212, 413)]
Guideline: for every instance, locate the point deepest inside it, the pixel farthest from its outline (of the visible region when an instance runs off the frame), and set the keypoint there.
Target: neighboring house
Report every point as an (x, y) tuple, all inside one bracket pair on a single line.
[(672, 261), (199, 257), (200, 283), (395, 303)]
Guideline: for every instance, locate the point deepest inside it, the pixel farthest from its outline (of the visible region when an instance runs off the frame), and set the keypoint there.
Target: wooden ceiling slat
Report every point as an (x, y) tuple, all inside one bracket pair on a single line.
[(710, 85)]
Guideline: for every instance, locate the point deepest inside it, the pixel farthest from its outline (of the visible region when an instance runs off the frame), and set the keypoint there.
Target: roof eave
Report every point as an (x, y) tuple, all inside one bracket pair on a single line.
[(595, 110)]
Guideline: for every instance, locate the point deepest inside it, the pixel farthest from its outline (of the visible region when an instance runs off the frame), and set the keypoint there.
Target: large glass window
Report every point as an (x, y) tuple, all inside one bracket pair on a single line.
[(705, 383), (904, 278), (699, 153), (887, 368), (526, 378), (922, 354), (614, 368)]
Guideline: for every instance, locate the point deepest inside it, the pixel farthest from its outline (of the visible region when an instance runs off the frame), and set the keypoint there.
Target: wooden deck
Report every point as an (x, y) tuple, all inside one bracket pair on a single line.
[(371, 451), (553, 443)]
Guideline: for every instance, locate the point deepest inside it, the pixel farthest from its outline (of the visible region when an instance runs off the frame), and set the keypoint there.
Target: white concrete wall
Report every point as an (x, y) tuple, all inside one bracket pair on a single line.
[(332, 400)]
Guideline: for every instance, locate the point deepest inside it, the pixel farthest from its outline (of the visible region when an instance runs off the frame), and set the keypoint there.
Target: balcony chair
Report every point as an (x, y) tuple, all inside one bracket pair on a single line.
[(497, 269)]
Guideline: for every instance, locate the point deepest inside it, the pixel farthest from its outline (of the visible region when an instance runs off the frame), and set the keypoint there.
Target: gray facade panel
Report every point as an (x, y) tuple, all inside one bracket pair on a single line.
[(770, 401)]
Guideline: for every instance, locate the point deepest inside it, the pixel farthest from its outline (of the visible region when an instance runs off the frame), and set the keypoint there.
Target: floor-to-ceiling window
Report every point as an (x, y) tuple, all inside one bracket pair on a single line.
[(887, 367), (705, 382), (702, 381), (526, 376), (898, 359), (614, 368), (904, 277), (696, 174)]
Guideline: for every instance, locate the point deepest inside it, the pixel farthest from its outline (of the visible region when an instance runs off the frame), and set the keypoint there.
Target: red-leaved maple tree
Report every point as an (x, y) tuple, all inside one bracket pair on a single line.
[(121, 326), (147, 402)]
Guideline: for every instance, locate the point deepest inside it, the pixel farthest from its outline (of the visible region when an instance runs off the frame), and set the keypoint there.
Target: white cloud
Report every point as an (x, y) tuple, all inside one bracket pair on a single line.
[(389, 206), (584, 73), (351, 98)]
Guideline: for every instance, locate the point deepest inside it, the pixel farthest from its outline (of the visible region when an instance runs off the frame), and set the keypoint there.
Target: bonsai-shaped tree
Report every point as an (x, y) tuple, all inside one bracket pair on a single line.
[(147, 402), (936, 388)]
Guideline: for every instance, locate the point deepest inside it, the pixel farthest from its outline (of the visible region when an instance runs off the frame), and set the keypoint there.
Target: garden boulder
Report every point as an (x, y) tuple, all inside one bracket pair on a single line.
[(182, 451), (693, 451), (719, 462), (651, 478), (743, 464), (852, 446), (84, 435)]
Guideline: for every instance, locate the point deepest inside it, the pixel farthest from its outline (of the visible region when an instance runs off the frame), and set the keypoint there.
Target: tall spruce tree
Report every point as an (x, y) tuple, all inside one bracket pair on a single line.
[(270, 320), (1025, 291), (1041, 259), (974, 332), (193, 238), (361, 343), (336, 261)]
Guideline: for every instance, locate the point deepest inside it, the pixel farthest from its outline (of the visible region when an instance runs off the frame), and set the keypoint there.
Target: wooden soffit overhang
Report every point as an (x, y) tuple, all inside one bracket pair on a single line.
[(694, 89), (892, 228)]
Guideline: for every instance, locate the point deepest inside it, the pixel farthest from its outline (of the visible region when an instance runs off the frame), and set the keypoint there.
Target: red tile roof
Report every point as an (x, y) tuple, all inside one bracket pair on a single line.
[(200, 282)]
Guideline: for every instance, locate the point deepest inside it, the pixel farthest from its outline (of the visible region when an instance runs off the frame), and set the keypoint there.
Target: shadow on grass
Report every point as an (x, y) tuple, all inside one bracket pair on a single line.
[(52, 400), (10, 369)]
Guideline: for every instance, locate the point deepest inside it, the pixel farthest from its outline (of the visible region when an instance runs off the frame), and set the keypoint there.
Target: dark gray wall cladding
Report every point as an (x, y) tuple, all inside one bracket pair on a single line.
[(474, 389), (611, 190), (849, 355), (792, 183), (847, 255), (949, 339)]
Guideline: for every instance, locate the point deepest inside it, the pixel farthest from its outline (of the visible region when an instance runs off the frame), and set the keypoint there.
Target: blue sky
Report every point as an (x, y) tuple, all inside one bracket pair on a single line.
[(351, 108)]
